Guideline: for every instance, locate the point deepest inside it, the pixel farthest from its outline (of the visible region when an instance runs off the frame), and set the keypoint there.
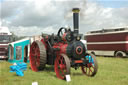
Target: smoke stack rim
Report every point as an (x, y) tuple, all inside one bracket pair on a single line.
[(76, 10)]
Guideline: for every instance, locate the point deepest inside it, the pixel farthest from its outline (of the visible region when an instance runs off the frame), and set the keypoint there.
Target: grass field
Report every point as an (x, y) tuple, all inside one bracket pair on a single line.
[(112, 71)]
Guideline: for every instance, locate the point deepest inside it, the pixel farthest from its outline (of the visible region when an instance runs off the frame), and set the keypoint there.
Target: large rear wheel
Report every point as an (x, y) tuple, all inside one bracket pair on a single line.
[(91, 68), (37, 56), (62, 66)]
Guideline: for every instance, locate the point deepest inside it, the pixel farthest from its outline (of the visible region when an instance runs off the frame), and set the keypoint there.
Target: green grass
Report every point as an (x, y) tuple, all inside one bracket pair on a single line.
[(112, 71)]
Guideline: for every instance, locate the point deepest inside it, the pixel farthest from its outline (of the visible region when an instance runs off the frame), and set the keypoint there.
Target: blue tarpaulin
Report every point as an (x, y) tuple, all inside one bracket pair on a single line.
[(19, 68)]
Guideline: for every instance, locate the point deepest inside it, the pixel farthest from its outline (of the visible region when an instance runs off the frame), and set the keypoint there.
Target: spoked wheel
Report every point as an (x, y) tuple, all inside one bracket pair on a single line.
[(90, 69), (37, 56), (62, 66)]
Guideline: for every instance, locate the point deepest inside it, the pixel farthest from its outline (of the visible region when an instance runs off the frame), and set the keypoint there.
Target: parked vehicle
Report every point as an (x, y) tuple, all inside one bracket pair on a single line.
[(5, 38), (64, 50), (108, 42)]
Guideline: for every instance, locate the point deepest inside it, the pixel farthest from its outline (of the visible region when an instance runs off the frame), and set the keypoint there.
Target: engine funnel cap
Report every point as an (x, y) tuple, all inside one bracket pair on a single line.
[(76, 10)]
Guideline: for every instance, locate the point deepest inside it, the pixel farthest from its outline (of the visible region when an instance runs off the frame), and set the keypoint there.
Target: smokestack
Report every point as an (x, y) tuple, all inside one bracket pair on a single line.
[(76, 20)]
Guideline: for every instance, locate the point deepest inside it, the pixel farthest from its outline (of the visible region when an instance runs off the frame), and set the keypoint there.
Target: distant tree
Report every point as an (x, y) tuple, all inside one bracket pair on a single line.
[(15, 37)]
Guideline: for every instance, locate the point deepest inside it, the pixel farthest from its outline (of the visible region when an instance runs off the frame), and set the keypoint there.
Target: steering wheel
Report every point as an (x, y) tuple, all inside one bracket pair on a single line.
[(61, 31)]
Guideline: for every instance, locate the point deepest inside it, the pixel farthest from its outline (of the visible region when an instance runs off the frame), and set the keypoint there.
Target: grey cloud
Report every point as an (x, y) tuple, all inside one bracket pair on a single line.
[(30, 16), (25, 18), (98, 17), (121, 14), (10, 8), (51, 15)]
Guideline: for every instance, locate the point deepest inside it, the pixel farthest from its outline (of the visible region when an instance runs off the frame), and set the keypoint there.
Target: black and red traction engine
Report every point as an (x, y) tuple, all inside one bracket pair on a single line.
[(63, 50)]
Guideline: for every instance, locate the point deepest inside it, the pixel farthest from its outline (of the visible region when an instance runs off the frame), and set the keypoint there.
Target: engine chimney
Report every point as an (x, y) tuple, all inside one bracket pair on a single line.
[(76, 20)]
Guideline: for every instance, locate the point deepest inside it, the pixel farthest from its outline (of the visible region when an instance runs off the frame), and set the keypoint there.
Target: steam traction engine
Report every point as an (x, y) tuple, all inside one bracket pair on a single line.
[(63, 50)]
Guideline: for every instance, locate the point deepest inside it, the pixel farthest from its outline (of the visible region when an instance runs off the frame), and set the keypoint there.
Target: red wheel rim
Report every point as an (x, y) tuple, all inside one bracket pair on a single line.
[(34, 56), (88, 69), (60, 67)]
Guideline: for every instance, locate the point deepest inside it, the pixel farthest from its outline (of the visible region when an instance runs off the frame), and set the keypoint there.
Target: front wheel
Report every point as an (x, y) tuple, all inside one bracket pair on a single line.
[(62, 66), (91, 68)]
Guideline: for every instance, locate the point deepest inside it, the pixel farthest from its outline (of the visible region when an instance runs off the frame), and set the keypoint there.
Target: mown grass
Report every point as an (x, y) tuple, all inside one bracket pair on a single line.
[(112, 71)]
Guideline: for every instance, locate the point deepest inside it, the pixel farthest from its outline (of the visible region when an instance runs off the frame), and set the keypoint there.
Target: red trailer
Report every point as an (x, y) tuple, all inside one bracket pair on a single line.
[(108, 42)]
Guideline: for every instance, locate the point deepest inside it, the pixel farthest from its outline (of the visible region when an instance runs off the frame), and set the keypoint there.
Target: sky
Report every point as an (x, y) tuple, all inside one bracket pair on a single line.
[(33, 17)]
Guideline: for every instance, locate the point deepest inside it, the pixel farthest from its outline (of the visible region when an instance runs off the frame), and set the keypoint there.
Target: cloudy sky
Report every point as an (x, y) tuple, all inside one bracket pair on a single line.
[(32, 17)]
